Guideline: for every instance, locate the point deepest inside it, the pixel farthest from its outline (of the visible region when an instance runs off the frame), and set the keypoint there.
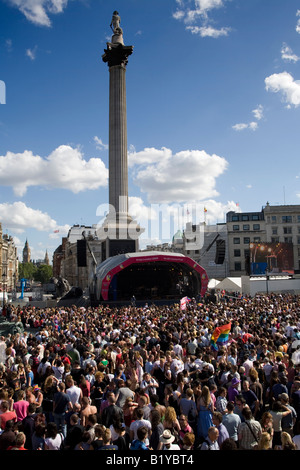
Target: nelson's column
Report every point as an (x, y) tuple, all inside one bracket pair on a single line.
[(119, 231)]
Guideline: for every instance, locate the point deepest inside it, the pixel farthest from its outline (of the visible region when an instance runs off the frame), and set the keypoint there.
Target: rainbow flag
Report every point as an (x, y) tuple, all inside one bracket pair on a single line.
[(184, 302), (220, 336)]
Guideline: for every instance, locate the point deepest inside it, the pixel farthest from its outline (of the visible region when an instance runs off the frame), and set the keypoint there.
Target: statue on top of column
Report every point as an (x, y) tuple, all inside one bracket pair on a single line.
[(117, 30), (115, 23)]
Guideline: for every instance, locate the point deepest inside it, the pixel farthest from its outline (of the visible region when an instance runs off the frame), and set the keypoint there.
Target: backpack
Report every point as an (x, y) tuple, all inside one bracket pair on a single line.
[(137, 445), (208, 444)]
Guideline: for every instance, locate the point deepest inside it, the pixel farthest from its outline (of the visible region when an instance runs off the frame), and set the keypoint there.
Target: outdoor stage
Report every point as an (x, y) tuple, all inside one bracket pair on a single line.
[(151, 277)]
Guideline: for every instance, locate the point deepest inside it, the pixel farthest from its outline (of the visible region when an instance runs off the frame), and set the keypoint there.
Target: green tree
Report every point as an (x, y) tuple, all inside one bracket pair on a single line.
[(27, 271), (43, 273)]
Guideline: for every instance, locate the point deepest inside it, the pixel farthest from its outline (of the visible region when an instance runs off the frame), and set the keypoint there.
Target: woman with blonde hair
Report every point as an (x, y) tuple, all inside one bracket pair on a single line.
[(139, 366), (205, 411), (171, 422), (265, 442), (266, 423), (49, 389), (128, 410), (287, 442)]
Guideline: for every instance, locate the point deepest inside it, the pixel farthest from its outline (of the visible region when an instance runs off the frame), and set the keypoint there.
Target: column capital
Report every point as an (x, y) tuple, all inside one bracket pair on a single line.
[(116, 54)]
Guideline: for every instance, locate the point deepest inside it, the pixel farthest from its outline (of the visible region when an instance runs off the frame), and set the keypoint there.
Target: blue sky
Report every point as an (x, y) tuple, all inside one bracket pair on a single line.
[(213, 94)]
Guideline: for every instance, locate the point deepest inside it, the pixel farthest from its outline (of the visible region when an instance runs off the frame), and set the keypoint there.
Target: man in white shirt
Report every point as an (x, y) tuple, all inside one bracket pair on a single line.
[(140, 421), (73, 392), (247, 364), (267, 368)]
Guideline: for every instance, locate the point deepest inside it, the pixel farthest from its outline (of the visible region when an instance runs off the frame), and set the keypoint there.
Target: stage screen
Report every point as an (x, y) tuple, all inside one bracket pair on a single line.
[(271, 258)]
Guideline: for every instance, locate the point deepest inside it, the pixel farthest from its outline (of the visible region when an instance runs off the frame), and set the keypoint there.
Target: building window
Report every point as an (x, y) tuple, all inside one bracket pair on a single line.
[(298, 240), (245, 217), (246, 253), (274, 230), (256, 226), (237, 253), (236, 227), (288, 240), (298, 218), (275, 239), (246, 227), (238, 266), (287, 230), (235, 218), (286, 219), (255, 217), (236, 241), (246, 240), (256, 239), (274, 218)]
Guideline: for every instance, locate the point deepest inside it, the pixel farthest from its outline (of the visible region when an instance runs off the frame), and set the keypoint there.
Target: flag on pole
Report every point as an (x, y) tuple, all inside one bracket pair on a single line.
[(220, 336), (205, 210), (183, 302)]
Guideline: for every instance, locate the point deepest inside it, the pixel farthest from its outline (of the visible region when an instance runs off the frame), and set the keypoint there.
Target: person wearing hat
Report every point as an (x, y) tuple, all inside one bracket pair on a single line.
[(233, 389), (166, 441), (288, 421)]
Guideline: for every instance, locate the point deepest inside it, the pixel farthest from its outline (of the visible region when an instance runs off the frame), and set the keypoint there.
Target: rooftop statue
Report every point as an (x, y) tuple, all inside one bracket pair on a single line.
[(115, 23), (117, 30)]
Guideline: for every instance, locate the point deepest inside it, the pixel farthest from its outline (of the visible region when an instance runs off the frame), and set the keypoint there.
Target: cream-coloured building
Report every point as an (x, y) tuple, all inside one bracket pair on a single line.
[(8, 262)]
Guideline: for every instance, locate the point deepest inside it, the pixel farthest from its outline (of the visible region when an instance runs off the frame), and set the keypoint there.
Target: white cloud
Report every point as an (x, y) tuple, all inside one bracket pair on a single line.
[(148, 155), (298, 22), (9, 45), (206, 5), (160, 221), (99, 144), (258, 112), (208, 31), (285, 84), (37, 11), (18, 217), (31, 53), (242, 126), (179, 15), (64, 168), (288, 55), (216, 210), (189, 175), (197, 19), (139, 210)]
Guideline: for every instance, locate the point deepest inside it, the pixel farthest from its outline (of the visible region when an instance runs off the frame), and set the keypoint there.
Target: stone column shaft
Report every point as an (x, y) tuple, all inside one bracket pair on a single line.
[(118, 165)]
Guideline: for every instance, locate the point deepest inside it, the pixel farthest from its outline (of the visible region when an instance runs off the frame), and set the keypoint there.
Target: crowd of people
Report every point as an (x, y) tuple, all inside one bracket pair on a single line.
[(147, 378)]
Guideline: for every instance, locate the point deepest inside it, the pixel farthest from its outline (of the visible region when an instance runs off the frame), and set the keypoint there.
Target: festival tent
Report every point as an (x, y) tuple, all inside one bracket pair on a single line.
[(233, 284), (213, 283)]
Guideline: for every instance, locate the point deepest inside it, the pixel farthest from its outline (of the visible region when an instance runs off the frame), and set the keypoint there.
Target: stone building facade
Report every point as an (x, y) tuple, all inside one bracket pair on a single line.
[(8, 262)]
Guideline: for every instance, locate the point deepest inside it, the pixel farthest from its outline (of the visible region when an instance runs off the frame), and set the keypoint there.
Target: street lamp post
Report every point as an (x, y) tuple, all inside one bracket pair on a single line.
[(3, 285)]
